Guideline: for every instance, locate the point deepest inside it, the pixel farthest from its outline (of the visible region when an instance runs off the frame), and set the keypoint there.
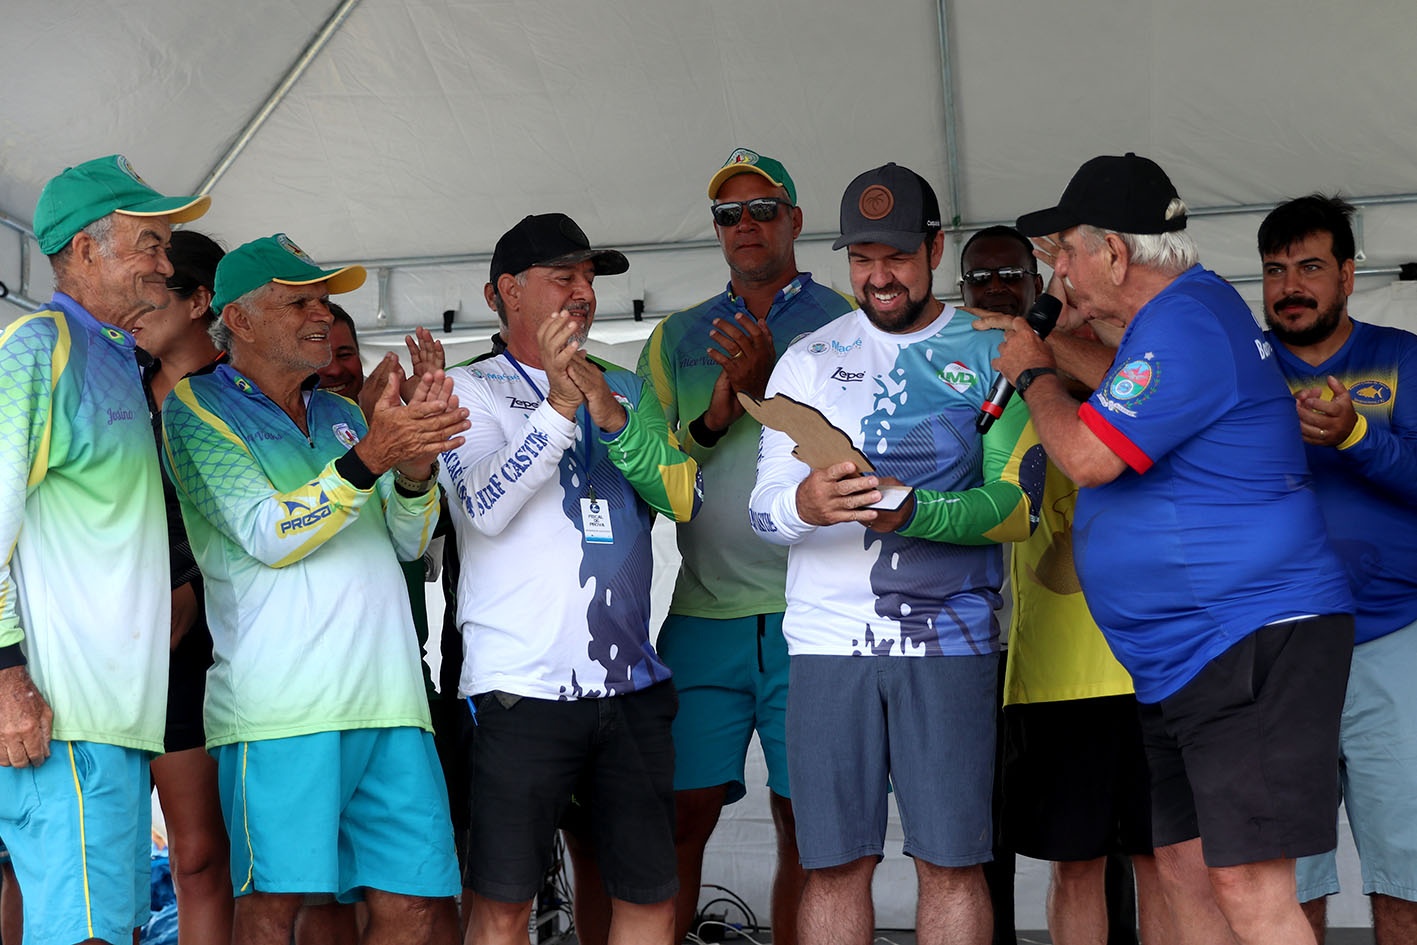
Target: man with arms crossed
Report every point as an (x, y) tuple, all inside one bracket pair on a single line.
[(1360, 434), (551, 499), (84, 601), (298, 515), (890, 627), (1193, 498), (723, 635)]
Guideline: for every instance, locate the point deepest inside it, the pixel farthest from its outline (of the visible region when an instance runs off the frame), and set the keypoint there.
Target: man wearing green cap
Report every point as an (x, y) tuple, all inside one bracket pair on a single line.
[(84, 584), (723, 635), (298, 514)]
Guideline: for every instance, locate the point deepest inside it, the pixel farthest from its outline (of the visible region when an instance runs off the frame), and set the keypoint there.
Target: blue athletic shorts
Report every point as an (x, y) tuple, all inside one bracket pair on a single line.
[(1377, 745), (335, 812), (927, 723), (731, 676), (79, 829)]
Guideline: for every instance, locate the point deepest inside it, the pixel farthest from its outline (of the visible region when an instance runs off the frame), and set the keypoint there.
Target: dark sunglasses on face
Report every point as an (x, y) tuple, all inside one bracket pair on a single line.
[(1008, 274), (761, 209)]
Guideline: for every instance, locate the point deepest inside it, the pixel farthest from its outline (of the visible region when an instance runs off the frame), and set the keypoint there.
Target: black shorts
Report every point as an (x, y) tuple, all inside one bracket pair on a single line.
[(616, 755), (187, 686), (1245, 755), (1075, 779)]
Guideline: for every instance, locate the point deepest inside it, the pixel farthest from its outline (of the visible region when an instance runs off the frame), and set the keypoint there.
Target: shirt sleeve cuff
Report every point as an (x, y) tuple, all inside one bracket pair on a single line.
[(1114, 439), (11, 656), (353, 471), (1360, 430)]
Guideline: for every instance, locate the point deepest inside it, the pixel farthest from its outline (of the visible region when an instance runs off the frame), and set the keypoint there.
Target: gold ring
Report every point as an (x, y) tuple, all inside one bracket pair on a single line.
[(737, 356)]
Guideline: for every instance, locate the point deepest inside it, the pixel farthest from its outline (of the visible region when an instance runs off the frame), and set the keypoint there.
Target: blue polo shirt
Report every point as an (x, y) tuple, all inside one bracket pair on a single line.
[(1213, 531), (1365, 486)]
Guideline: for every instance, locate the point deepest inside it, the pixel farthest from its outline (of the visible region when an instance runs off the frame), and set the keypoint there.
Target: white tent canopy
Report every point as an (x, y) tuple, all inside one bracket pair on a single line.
[(410, 134), (417, 131)]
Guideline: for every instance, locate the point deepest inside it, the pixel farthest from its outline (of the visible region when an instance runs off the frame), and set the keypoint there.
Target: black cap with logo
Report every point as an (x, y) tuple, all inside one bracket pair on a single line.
[(551, 239), (1128, 194), (889, 204)]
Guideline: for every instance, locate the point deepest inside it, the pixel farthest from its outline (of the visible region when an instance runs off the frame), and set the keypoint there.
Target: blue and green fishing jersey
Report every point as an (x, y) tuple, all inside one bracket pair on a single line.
[(549, 607), (1365, 486), (309, 613), (84, 583), (725, 572), (908, 401)]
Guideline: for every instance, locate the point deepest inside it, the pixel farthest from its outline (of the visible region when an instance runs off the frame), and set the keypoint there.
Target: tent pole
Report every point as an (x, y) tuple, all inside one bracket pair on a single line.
[(317, 44), (951, 122)]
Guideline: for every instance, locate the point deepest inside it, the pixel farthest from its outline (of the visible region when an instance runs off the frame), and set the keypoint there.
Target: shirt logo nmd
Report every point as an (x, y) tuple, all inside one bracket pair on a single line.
[(958, 377)]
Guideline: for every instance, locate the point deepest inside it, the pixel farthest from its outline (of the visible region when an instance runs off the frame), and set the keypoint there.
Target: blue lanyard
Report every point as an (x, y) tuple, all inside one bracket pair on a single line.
[(582, 415)]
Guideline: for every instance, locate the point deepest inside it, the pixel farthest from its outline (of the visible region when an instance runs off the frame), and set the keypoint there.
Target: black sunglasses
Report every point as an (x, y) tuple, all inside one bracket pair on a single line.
[(1005, 274), (761, 209)]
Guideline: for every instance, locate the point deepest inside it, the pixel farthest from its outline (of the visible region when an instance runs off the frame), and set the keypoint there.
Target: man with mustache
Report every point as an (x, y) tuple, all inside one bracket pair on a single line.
[(1360, 435), (890, 625), (564, 695), (84, 591), (723, 634), (299, 512)]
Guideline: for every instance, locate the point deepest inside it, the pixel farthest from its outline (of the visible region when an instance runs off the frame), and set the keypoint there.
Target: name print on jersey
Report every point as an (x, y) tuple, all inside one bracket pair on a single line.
[(510, 471)]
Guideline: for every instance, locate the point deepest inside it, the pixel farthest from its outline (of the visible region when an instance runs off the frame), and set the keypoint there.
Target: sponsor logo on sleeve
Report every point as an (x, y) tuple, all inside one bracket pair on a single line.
[(818, 347), (300, 517), (516, 403), (1370, 393), (958, 376), (841, 374)]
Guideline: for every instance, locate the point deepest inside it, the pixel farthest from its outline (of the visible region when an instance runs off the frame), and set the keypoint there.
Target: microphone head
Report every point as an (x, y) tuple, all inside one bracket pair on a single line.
[(1044, 314)]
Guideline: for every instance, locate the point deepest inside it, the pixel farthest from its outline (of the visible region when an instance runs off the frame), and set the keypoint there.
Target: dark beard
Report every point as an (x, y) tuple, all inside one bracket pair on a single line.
[(906, 319), (1326, 324)]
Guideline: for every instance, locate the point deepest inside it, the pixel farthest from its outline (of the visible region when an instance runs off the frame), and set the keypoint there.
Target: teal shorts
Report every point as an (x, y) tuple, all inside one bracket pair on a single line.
[(731, 676), (336, 812), (1377, 760), (79, 829)]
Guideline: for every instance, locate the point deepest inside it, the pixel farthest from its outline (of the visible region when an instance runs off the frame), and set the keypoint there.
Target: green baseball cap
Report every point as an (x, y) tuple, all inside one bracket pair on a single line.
[(275, 259), (744, 161), (94, 189)]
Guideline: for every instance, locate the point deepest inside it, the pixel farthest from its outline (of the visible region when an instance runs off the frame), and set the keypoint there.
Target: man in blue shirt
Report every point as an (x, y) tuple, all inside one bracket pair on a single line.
[(1194, 496), (1360, 435)]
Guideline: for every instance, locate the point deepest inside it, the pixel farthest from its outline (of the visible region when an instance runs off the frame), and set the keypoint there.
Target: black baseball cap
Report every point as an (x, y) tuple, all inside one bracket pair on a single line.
[(551, 239), (889, 204), (1128, 194)]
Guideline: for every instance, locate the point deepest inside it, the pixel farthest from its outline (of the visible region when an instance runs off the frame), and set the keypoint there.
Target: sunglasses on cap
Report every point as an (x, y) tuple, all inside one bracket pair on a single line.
[(1008, 274), (761, 209)]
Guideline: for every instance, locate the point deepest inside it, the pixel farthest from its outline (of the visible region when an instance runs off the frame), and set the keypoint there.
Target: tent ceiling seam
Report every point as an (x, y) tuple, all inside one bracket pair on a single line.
[(272, 102)]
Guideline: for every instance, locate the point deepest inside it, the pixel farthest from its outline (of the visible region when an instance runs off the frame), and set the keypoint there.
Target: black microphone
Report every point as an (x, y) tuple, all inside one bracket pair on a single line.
[(1041, 318)]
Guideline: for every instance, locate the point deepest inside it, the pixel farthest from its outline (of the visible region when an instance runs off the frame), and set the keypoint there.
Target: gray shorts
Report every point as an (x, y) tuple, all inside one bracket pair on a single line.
[(926, 723)]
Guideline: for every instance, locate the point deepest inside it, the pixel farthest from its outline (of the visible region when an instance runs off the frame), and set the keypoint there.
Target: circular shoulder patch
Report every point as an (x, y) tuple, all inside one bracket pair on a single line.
[(876, 201), (1131, 381)]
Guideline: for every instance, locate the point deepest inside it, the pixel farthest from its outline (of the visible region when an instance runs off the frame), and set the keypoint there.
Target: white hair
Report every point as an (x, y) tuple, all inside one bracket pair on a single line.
[(251, 302), (101, 232), (1171, 253)]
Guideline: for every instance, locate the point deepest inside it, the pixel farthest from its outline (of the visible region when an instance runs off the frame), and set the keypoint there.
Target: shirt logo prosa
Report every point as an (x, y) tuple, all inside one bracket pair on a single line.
[(1131, 381), (1370, 393), (958, 377), (300, 516), (345, 434)]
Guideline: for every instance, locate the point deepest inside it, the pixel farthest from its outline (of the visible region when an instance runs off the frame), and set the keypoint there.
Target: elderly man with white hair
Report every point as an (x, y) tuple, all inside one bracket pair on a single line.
[(1200, 547), (298, 515), (84, 605)]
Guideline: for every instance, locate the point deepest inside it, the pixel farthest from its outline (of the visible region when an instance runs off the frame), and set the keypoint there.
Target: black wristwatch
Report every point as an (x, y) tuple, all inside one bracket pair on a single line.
[(1026, 378)]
